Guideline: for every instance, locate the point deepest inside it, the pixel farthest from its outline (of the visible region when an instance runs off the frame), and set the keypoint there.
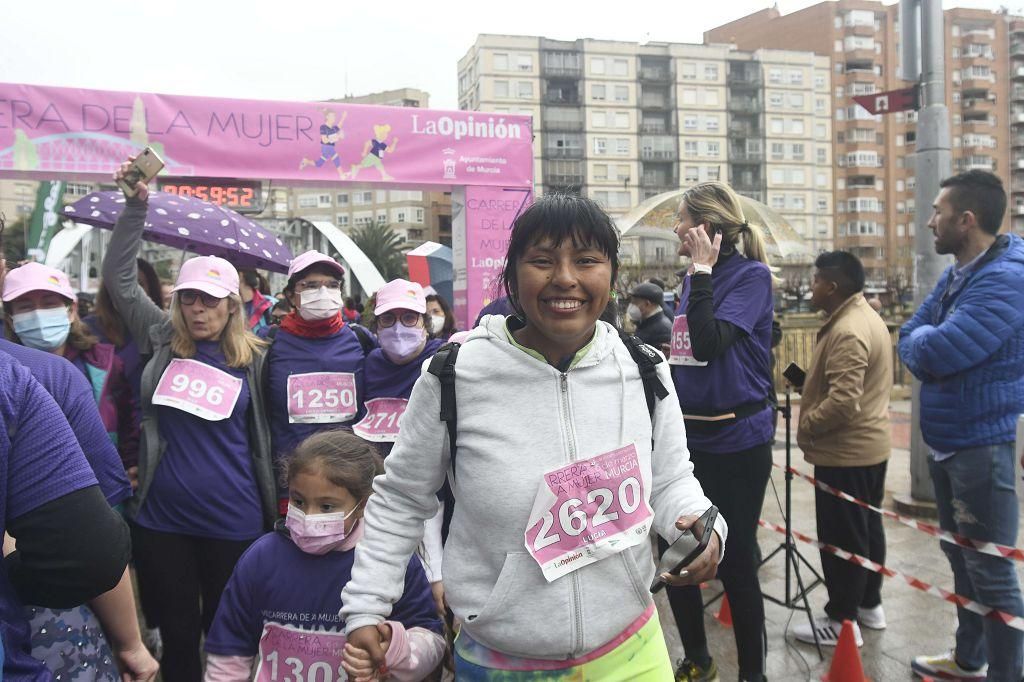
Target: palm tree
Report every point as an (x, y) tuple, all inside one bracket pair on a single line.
[(383, 247)]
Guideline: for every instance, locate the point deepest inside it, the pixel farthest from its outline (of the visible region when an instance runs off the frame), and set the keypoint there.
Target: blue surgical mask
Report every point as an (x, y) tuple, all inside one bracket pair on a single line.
[(43, 329)]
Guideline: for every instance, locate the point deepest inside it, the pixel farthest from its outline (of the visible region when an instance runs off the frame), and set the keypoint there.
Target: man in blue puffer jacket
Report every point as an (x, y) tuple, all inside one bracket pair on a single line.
[(966, 345)]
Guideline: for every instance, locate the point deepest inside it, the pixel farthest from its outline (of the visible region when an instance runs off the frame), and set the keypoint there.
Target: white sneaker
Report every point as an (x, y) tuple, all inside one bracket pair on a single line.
[(873, 619), (828, 631), (945, 667)]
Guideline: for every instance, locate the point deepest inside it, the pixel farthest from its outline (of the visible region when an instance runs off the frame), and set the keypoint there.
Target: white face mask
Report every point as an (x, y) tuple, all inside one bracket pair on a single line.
[(634, 312), (436, 324), (319, 304)]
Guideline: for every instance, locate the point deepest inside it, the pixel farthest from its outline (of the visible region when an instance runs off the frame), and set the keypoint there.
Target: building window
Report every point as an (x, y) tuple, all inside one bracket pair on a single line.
[(691, 174), (689, 122), (711, 124), (600, 146), (714, 149), (690, 148), (525, 62), (820, 131), (796, 77), (689, 96), (620, 67), (822, 206), (776, 125), (597, 65), (621, 93), (597, 92), (821, 155), (778, 151), (307, 201), (341, 220), (600, 172), (621, 119), (711, 72), (779, 201), (500, 61), (796, 126), (501, 89), (622, 146), (775, 100), (323, 200), (689, 71), (599, 119), (775, 75), (711, 97), (819, 82), (797, 151), (796, 100), (525, 89), (342, 199)]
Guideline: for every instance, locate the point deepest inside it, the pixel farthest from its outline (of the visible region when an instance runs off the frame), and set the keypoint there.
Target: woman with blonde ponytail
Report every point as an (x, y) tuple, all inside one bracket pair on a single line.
[(721, 358)]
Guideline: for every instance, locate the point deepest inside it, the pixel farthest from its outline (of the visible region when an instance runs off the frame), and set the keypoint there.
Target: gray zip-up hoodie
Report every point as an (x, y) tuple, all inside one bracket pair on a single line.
[(518, 418)]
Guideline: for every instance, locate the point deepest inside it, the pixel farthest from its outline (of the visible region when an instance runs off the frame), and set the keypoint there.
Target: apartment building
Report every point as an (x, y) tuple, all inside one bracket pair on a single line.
[(622, 122), (873, 166)]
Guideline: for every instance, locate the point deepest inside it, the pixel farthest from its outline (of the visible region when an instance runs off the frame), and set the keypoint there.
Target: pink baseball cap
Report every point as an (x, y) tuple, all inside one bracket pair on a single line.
[(303, 261), (209, 274), (36, 277), (400, 293)]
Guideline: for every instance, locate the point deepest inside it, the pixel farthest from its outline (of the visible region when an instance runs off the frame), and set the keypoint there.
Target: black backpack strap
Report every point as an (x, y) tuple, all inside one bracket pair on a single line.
[(365, 340), (442, 365), (647, 360)]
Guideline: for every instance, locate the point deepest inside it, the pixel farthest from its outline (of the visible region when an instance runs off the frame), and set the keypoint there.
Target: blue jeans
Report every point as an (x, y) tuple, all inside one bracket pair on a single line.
[(976, 497)]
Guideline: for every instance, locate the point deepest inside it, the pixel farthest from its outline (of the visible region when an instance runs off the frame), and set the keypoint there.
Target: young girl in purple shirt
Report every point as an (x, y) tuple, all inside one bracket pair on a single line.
[(279, 613)]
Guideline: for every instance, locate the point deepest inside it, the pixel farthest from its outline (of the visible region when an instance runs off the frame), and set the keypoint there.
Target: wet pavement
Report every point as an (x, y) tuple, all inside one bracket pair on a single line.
[(918, 623)]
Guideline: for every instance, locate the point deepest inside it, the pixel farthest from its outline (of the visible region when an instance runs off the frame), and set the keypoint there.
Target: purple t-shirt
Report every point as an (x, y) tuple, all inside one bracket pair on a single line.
[(74, 396), (204, 484), (291, 354), (743, 296), (385, 379), (40, 461), (276, 582)]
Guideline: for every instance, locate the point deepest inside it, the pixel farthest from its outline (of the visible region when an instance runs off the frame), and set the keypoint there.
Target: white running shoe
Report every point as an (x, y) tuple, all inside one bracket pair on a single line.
[(828, 631), (873, 619), (945, 667)]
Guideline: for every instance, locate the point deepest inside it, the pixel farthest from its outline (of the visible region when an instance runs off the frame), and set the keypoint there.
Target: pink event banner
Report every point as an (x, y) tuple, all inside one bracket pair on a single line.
[(489, 214), (50, 130)]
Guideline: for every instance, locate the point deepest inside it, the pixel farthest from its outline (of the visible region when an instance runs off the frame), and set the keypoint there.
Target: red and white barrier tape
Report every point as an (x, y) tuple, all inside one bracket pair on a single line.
[(1012, 621), (984, 547)]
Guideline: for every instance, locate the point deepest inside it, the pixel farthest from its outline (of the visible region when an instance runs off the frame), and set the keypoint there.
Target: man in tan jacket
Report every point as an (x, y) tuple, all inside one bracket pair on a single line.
[(845, 433)]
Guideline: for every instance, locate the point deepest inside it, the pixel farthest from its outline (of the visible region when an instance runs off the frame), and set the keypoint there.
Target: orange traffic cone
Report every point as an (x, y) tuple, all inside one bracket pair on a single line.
[(724, 615), (846, 665)]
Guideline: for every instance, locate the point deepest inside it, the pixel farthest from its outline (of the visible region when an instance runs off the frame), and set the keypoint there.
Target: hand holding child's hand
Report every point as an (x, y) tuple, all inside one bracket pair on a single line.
[(365, 650)]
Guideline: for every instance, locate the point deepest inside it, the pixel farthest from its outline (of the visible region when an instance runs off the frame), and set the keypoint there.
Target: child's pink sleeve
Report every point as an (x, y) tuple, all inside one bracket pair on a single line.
[(414, 653), (228, 668)]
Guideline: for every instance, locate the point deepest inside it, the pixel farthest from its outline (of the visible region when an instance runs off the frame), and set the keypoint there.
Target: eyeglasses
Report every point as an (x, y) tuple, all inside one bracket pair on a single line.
[(408, 319), (189, 296), (313, 285)]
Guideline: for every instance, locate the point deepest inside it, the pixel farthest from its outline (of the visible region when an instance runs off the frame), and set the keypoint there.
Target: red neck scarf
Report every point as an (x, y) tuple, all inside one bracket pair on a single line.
[(294, 324)]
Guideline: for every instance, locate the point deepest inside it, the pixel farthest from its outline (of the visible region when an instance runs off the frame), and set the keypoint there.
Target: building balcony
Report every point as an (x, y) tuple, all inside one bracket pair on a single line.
[(659, 154), (861, 30), (985, 164), (563, 179), (1018, 73), (1017, 49), (657, 129), (563, 153), (1018, 141), (980, 104), (744, 105), (861, 239), (739, 130), (1017, 92), (859, 55), (976, 84), (649, 191), (980, 124), (561, 98), (1018, 162), (561, 71), (977, 36), (656, 103), (976, 59), (743, 79), (743, 156), (1018, 209), (656, 74), (563, 126)]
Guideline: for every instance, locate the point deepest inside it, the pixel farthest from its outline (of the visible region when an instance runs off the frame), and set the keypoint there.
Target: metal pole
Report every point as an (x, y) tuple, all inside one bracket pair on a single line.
[(933, 163)]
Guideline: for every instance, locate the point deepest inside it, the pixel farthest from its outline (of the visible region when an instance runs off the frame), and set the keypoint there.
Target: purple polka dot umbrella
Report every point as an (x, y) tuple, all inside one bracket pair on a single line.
[(193, 225)]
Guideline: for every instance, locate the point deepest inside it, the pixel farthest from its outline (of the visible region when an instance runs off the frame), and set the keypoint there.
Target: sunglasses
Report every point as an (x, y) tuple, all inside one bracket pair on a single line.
[(189, 296), (408, 319)]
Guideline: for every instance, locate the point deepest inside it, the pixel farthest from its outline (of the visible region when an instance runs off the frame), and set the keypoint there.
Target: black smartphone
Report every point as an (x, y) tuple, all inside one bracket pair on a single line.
[(795, 375), (690, 545)]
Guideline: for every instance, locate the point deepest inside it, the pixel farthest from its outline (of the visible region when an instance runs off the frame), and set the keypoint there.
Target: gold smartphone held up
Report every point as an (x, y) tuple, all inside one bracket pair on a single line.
[(144, 168)]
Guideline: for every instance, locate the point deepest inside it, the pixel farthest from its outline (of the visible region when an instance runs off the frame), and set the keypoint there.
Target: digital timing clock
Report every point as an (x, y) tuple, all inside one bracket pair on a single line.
[(244, 196)]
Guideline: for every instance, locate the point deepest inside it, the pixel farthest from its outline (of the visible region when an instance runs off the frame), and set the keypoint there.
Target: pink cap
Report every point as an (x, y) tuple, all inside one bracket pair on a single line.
[(303, 261), (36, 277), (400, 293), (209, 274)]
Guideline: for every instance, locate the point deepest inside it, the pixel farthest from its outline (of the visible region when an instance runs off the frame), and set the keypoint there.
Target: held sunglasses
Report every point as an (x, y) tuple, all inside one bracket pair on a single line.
[(189, 296)]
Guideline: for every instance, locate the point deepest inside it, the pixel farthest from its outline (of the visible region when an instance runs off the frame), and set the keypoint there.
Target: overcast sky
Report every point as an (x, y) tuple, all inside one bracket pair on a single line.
[(311, 50)]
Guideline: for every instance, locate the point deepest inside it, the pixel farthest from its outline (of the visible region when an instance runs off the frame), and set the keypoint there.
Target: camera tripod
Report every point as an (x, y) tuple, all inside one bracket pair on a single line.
[(793, 600)]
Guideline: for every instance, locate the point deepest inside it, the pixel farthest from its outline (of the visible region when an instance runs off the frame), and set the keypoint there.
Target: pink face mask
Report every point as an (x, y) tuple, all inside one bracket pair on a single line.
[(317, 533)]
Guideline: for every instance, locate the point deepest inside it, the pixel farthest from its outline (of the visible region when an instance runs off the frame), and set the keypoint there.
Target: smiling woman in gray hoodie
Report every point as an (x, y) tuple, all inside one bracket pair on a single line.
[(561, 476)]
